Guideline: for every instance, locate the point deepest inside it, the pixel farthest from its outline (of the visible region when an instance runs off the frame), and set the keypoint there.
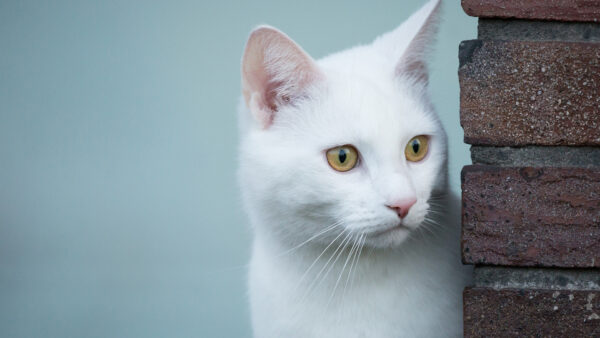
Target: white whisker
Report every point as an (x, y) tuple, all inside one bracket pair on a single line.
[(343, 268), (329, 228), (362, 245), (314, 283), (316, 260), (353, 262)]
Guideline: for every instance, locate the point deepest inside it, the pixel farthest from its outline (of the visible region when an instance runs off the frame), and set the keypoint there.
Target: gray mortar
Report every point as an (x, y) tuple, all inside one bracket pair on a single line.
[(536, 278), (499, 29), (537, 156)]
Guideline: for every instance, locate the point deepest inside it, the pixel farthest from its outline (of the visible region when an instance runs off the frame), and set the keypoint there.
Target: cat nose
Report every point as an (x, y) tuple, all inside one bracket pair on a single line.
[(403, 206)]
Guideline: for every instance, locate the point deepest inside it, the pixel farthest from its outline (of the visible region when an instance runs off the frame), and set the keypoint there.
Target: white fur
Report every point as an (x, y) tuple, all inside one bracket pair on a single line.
[(321, 264)]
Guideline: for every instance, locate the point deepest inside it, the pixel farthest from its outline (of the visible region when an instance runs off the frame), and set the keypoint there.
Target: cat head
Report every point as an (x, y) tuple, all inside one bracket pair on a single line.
[(348, 145)]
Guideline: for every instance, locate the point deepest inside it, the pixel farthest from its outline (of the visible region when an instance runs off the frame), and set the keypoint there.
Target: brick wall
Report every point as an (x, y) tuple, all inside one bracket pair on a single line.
[(530, 108)]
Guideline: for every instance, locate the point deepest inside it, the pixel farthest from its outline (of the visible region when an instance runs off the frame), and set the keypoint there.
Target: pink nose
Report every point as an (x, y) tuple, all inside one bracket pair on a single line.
[(403, 206)]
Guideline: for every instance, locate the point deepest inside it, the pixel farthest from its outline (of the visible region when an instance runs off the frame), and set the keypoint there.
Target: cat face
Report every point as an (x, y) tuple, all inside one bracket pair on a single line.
[(344, 147)]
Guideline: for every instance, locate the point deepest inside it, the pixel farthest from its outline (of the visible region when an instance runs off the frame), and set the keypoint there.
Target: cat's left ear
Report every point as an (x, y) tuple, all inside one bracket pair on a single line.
[(408, 44), (275, 72)]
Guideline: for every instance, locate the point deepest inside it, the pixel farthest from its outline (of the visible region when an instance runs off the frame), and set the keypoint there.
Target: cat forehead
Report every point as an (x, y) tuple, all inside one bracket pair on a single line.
[(364, 80), (362, 64), (374, 101), (356, 91)]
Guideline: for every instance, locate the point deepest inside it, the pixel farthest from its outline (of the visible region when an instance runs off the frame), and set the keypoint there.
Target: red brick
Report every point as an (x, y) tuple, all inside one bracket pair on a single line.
[(531, 216), (560, 10), (517, 93), (531, 313)]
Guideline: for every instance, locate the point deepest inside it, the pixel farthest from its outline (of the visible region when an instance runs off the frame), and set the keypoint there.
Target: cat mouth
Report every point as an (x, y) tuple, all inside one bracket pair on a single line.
[(387, 231)]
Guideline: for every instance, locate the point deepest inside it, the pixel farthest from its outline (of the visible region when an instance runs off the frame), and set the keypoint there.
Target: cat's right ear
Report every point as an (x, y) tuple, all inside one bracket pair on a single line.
[(409, 44), (275, 72)]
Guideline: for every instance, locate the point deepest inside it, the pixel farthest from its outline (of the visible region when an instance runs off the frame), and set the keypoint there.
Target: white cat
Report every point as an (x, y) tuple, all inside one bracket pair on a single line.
[(343, 173)]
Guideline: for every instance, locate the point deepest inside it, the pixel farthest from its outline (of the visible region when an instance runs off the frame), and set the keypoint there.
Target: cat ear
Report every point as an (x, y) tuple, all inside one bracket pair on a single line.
[(275, 72), (409, 43)]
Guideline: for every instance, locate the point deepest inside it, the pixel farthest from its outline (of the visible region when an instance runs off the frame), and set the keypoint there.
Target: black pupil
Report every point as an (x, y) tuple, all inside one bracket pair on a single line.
[(342, 155), (415, 146)]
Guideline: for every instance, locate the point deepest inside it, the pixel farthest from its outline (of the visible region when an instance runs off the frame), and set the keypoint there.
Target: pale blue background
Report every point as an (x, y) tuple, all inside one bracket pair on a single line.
[(119, 211)]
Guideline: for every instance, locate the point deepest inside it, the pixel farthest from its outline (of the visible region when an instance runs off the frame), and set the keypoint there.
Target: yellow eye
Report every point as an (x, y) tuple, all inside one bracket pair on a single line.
[(416, 149), (342, 158)]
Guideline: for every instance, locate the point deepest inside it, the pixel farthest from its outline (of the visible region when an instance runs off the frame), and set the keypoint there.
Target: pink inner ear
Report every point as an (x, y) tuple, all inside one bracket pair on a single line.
[(275, 70), (262, 105), (415, 70), (263, 102), (271, 95)]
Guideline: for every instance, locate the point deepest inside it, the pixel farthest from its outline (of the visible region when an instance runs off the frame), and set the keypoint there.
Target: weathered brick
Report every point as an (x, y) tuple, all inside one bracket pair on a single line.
[(531, 313), (517, 93), (561, 10), (531, 216), (528, 30)]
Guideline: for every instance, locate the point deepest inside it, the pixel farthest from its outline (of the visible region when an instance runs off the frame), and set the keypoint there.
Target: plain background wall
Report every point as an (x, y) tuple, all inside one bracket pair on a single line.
[(119, 211)]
